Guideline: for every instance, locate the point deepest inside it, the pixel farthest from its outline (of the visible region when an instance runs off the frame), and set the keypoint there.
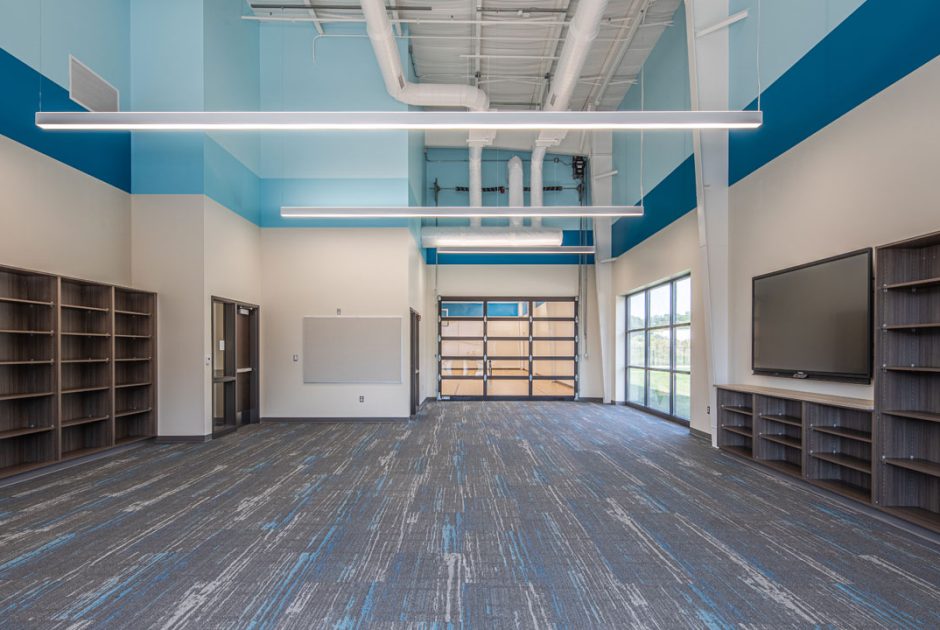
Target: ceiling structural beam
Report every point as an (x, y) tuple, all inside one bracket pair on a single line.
[(398, 120), (616, 54), (312, 13), (555, 49), (587, 250), (494, 56), (532, 22), (457, 212), (328, 7), (477, 42), (714, 28)]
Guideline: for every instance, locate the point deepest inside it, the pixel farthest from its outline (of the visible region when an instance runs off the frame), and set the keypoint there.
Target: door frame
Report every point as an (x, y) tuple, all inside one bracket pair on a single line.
[(415, 361), (229, 378), (485, 357)]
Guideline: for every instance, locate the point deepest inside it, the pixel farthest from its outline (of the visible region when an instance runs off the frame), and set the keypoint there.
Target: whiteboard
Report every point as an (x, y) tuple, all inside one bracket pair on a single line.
[(352, 349)]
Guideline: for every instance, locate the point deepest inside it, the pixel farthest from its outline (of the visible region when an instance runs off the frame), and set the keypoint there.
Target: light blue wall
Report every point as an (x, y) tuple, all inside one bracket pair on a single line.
[(44, 34), (300, 72), (788, 30), (665, 86), (416, 171)]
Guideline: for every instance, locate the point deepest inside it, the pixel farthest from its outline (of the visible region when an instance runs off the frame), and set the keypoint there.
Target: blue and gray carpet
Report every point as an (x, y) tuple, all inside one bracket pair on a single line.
[(483, 515)]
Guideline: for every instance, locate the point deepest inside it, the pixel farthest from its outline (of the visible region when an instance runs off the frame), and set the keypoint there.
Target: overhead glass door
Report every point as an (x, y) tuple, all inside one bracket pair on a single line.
[(508, 348)]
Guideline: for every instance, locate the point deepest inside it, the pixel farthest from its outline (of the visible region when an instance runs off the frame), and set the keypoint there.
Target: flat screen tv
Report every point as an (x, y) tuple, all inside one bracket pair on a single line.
[(815, 320)]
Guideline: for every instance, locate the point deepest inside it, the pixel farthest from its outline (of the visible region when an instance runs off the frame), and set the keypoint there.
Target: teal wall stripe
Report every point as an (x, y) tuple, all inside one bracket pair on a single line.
[(103, 155), (673, 198)]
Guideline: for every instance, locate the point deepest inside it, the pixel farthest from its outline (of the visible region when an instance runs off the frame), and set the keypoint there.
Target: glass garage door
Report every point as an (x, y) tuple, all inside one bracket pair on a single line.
[(508, 348)]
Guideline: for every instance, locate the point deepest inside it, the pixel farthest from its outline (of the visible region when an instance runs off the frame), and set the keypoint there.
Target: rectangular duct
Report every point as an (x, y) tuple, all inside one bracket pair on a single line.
[(89, 90)]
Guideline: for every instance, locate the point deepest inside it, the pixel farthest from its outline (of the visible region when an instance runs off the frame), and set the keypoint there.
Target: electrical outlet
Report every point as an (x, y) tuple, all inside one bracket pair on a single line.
[(362, 399), (296, 358), (339, 312), (708, 410)]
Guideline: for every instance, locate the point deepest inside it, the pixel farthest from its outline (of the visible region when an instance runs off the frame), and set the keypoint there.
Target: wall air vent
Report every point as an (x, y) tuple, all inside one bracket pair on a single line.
[(91, 91)]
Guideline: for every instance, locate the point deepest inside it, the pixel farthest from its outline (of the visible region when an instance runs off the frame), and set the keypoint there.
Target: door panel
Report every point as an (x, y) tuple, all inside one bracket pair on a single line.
[(486, 351)]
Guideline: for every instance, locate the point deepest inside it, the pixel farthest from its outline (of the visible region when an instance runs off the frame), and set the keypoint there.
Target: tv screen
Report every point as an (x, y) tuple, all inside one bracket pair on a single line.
[(815, 321)]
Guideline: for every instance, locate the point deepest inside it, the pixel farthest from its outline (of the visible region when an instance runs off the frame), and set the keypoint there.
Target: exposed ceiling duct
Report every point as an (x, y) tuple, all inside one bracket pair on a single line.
[(473, 98), (516, 187), (581, 34)]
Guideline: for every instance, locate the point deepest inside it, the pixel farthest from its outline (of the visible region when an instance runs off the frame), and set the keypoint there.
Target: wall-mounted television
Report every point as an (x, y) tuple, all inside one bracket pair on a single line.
[(815, 320)]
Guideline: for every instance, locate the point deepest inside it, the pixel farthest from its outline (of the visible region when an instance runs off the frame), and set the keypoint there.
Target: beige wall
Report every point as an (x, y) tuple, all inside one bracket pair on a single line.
[(232, 255), (867, 179), (168, 233), (516, 281), (57, 219), (314, 272), (672, 252)]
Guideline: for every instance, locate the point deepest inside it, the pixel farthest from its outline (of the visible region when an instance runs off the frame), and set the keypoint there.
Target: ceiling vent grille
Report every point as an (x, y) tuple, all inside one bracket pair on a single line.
[(91, 91)]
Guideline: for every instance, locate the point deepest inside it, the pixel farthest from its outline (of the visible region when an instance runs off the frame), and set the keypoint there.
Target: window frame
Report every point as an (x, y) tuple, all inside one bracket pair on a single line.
[(646, 330)]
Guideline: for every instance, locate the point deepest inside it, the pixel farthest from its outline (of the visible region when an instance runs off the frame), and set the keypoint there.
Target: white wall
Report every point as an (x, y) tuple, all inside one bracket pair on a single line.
[(514, 281), (168, 234), (314, 272), (867, 179), (669, 253), (57, 219)]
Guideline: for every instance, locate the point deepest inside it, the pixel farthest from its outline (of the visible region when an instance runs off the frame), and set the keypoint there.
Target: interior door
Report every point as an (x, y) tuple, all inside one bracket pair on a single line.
[(415, 362), (224, 417)]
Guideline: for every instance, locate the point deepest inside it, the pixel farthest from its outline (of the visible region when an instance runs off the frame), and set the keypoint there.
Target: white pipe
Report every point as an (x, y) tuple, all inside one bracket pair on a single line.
[(379, 28), (516, 199), (581, 33)]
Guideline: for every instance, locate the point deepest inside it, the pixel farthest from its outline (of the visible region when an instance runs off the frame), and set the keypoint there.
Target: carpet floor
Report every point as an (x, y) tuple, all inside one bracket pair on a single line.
[(484, 515)]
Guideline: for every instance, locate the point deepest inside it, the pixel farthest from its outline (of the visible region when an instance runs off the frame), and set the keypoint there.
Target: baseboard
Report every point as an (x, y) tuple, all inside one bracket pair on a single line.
[(591, 399), (701, 435), (182, 439), (334, 420)]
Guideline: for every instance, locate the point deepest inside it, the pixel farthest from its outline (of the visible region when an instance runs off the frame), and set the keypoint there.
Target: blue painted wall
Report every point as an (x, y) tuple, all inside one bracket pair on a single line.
[(841, 72), (788, 30)]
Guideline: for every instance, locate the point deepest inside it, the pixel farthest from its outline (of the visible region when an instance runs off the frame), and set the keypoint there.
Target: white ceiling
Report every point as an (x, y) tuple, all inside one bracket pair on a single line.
[(512, 54)]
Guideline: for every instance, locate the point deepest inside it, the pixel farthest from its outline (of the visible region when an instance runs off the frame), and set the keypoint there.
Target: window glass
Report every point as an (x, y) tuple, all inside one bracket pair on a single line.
[(553, 368), (461, 309), (636, 388), (507, 348), (683, 337), (507, 309), (509, 367), (637, 311), (452, 348), (461, 367), (637, 349), (507, 328), (659, 389), (554, 309), (461, 328), (508, 387), (683, 300), (660, 341), (683, 400), (660, 306), (659, 348), (553, 348), (553, 387), (552, 329), (463, 387)]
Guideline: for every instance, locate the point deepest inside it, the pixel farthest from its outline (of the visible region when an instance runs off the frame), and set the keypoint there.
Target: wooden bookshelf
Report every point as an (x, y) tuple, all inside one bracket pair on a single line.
[(28, 409), (907, 386), (825, 440), (58, 380), (135, 368)]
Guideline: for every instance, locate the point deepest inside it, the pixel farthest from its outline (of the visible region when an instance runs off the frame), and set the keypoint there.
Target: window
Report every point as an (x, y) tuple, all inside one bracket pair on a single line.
[(659, 348)]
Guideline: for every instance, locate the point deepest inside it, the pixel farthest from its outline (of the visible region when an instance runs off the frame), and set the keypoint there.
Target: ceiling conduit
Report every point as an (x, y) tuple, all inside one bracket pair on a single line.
[(581, 34), (380, 32)]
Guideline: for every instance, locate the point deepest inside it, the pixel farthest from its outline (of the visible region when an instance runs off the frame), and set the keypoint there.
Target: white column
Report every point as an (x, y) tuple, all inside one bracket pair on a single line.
[(709, 67), (602, 161)]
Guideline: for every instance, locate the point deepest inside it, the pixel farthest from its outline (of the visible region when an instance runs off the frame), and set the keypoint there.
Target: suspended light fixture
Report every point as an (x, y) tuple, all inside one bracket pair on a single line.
[(562, 249), (392, 121), (457, 212)]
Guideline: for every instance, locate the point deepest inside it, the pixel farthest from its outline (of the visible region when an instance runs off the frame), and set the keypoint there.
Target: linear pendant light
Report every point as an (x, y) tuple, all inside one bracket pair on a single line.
[(562, 249), (457, 212), (403, 120)]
